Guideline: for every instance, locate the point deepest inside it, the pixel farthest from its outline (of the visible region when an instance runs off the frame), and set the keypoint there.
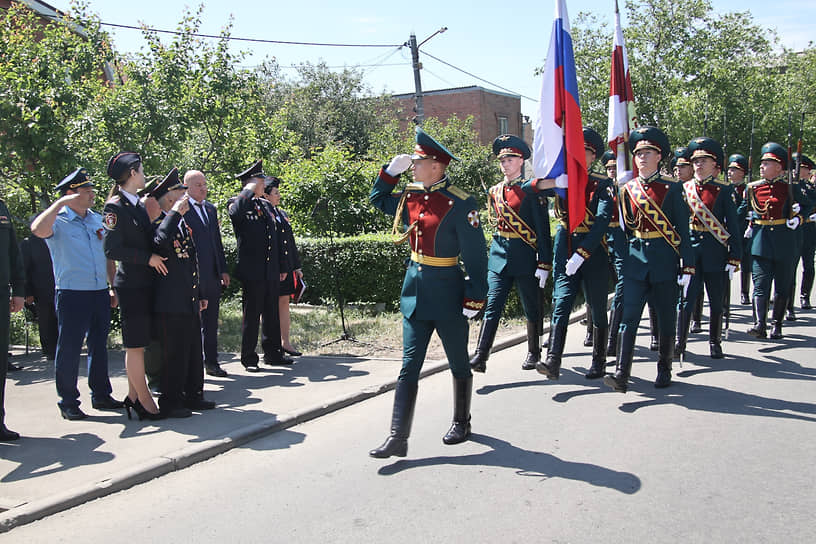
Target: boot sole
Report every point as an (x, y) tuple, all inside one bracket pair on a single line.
[(543, 369), (613, 383)]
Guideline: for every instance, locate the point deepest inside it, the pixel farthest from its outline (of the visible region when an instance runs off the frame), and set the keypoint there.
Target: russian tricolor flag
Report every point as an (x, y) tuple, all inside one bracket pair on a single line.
[(558, 145)]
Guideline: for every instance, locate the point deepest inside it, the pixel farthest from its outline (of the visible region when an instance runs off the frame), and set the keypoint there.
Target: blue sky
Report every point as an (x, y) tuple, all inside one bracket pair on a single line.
[(487, 39)]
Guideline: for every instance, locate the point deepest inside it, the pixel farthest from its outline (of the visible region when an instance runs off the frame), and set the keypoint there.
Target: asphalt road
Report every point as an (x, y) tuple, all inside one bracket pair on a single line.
[(724, 455)]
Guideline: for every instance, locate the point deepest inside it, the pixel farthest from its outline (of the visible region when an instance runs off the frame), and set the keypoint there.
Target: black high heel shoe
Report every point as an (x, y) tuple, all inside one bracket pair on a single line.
[(142, 412), (128, 405)]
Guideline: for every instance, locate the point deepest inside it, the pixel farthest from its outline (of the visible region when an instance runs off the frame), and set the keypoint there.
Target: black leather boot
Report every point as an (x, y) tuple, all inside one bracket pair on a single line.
[(664, 358), (588, 338), (614, 324), (791, 314), (683, 322), (715, 336), (401, 418), (552, 367), (780, 305), (598, 368), (804, 293), (460, 428), (697, 318), (745, 285), (626, 349), (726, 315), (478, 363), (759, 330), (653, 328), (533, 348)]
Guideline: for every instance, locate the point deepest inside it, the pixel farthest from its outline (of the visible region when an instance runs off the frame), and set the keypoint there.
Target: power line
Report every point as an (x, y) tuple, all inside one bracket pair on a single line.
[(253, 40), (477, 77)]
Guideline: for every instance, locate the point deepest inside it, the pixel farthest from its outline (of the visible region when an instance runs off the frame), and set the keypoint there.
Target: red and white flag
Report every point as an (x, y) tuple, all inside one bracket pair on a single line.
[(622, 116)]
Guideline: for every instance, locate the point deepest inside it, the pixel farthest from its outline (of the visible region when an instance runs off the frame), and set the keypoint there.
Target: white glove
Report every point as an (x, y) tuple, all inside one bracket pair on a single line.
[(795, 207), (574, 263), (730, 268), (398, 165), (812, 217), (542, 276), (683, 281), (470, 314), (793, 222), (748, 232)]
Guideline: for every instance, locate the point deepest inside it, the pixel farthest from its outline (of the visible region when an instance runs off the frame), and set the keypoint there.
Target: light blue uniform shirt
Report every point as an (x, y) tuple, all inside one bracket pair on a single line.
[(76, 251)]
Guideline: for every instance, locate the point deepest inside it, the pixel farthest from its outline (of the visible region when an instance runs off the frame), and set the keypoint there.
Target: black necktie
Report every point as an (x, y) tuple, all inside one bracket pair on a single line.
[(202, 212)]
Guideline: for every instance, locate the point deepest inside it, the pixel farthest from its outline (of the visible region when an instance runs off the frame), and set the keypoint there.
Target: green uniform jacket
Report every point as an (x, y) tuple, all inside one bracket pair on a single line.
[(446, 226), (711, 255), (770, 201), (11, 261)]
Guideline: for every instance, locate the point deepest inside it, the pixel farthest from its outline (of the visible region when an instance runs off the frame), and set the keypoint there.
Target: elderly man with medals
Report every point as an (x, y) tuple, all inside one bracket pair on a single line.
[(520, 253), (715, 240), (656, 218)]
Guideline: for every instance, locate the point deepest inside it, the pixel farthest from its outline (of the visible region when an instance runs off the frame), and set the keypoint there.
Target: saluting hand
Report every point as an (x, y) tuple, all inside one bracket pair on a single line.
[(181, 205), (157, 263)]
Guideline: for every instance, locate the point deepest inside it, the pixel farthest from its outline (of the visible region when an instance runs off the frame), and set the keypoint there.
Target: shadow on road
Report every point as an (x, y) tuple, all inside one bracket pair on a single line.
[(36, 457), (526, 463)]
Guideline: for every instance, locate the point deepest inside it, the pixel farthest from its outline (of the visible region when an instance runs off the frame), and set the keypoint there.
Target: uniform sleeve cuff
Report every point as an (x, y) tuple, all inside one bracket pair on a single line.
[(583, 253), (471, 304), (545, 266), (735, 262), (386, 177), (688, 270)]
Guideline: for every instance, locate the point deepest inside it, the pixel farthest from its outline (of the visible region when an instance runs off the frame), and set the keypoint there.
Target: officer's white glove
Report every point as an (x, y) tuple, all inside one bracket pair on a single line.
[(574, 263), (796, 207), (683, 281), (812, 217), (542, 276), (730, 268), (398, 165), (470, 314), (793, 222), (748, 232)]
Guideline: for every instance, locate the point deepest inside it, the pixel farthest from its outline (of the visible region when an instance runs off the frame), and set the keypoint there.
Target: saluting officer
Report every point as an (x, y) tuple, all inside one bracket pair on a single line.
[(656, 221), (772, 214), (737, 174), (806, 168), (520, 253), (178, 304), (260, 257), (580, 260), (716, 241), (441, 224)]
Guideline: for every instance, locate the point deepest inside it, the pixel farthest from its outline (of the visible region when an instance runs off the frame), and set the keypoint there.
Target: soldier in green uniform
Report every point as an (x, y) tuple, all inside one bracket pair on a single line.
[(805, 198), (716, 241), (737, 173), (12, 283), (772, 213), (520, 253), (655, 218), (616, 242), (806, 169), (580, 260), (441, 224)]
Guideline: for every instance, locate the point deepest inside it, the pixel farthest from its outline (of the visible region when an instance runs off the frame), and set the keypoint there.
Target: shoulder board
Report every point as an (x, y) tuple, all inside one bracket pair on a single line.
[(667, 179), (755, 184), (722, 182), (415, 186), (458, 193)]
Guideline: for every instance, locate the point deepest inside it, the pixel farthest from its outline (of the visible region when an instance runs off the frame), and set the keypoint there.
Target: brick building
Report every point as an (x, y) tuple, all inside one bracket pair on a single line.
[(494, 112)]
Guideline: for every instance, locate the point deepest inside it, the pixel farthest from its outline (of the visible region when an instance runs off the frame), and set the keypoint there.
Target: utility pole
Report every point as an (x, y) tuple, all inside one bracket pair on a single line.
[(412, 43), (420, 111)]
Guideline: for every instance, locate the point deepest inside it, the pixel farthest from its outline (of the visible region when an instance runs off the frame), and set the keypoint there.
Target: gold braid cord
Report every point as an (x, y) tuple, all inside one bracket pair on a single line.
[(761, 210), (653, 213), (396, 229), (706, 216), (511, 218)]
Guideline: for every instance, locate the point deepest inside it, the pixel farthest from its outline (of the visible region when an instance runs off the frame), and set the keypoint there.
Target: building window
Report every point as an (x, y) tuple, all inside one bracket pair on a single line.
[(504, 127)]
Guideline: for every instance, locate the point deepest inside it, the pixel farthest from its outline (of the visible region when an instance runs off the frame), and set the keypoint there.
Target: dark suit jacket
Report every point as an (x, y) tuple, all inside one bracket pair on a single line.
[(129, 241), (39, 269), (209, 249)]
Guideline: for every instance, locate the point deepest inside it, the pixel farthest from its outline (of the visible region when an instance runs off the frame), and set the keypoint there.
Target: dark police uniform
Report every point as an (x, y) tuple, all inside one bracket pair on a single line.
[(12, 284), (584, 244), (520, 245), (129, 240), (716, 241), (809, 237), (656, 220), (176, 303), (773, 242), (442, 227), (39, 272), (260, 258)]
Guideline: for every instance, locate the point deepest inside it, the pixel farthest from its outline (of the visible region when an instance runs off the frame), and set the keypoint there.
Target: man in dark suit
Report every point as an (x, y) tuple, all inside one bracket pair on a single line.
[(260, 255), (40, 291), (202, 218)]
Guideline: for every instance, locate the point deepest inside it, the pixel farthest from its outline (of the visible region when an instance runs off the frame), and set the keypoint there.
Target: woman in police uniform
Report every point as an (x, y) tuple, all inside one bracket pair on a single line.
[(129, 241)]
